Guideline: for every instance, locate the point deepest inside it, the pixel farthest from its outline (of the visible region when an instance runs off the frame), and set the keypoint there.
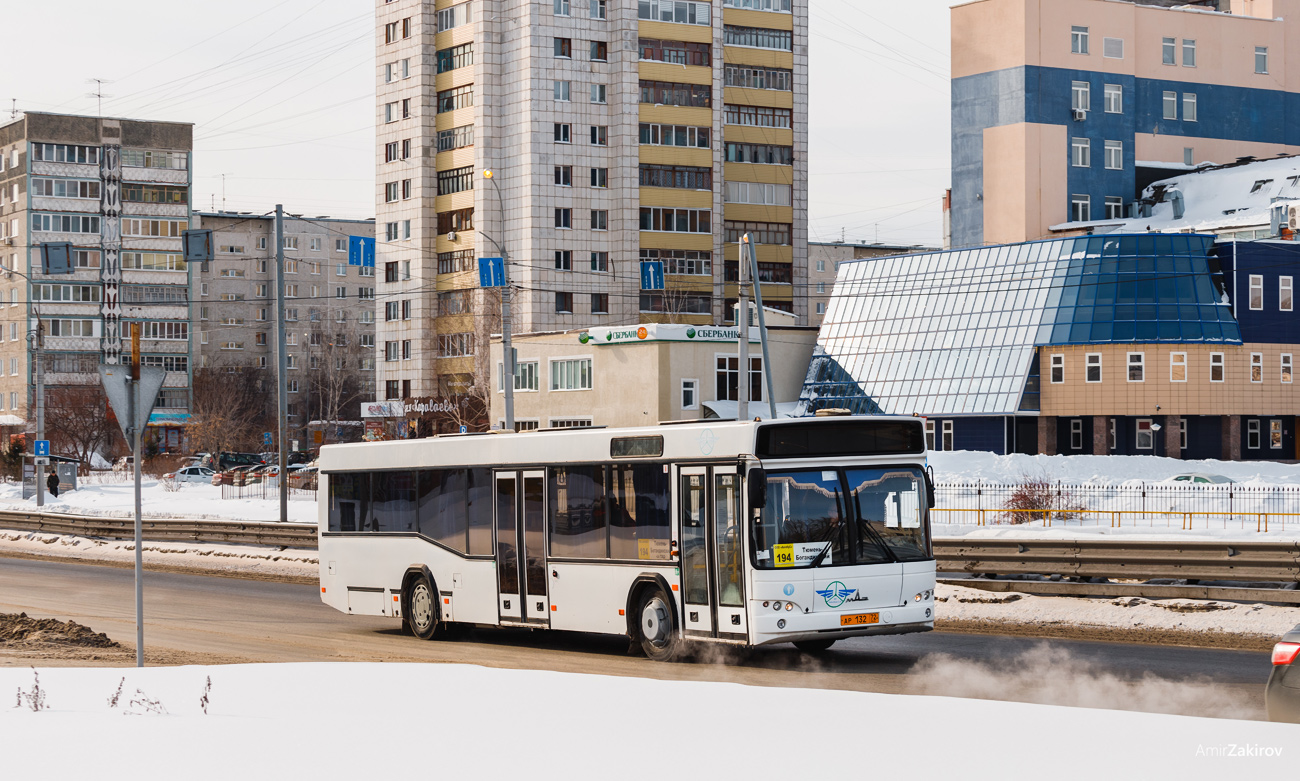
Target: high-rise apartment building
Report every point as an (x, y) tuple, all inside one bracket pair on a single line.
[(118, 190), (1064, 110), (616, 132), (329, 311)]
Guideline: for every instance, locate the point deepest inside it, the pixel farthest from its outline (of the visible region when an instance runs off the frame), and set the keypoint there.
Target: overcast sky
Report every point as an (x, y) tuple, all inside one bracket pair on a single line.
[(281, 96)]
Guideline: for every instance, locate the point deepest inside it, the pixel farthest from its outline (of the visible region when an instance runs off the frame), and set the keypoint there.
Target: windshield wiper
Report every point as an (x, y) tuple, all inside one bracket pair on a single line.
[(863, 523), (820, 556)]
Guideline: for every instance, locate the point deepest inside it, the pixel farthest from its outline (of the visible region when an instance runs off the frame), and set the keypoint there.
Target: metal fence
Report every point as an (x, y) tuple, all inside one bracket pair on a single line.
[(268, 489), (1128, 504)]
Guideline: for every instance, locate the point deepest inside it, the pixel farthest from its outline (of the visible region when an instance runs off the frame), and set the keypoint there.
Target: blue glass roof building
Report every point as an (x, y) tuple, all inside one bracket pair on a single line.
[(957, 332)]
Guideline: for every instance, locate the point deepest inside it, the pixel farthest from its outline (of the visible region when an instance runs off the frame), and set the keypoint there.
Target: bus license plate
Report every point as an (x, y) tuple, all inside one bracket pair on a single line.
[(860, 619)]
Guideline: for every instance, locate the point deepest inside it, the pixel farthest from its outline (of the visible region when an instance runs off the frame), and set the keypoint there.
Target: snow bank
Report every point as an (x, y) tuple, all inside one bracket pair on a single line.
[(191, 500), (958, 603), (460, 721), (975, 465)]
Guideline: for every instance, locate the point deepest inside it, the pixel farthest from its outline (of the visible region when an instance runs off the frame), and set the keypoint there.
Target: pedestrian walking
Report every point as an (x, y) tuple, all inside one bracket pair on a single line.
[(52, 482)]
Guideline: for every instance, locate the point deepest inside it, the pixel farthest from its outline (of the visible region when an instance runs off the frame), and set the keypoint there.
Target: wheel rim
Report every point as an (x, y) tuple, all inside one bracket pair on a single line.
[(655, 622), (421, 607)]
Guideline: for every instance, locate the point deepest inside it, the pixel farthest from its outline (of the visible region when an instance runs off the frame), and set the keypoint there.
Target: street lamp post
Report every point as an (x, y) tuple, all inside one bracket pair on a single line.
[(507, 352)]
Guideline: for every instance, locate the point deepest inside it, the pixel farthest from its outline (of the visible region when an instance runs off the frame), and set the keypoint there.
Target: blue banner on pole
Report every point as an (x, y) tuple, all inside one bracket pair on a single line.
[(491, 272), (267, 439), (361, 251), (652, 275)]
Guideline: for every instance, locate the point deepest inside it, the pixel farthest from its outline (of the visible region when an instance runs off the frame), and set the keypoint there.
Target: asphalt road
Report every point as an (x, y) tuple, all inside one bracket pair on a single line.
[(259, 621)]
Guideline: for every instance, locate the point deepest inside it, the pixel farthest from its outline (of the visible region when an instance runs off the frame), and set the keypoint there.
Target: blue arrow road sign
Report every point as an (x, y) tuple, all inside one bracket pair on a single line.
[(652, 275), (42, 447), (491, 272), (361, 251)]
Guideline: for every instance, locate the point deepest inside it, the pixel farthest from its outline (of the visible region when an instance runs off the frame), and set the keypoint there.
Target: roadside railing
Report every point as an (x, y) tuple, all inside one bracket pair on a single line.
[(267, 489), (1130, 504)]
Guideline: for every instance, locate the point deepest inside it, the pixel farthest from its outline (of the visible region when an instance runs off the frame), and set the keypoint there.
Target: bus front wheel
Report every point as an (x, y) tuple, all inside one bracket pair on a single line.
[(422, 608), (813, 646), (656, 628)]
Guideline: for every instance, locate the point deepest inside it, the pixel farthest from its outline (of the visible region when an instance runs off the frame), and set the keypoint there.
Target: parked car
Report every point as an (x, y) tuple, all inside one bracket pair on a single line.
[(304, 478), (124, 464), (232, 474), (191, 474), (1282, 697), (1201, 478)]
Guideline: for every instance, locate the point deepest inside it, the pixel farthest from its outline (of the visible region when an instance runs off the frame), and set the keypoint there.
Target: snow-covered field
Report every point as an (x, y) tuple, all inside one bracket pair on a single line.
[(970, 465), (190, 500), (369, 721)]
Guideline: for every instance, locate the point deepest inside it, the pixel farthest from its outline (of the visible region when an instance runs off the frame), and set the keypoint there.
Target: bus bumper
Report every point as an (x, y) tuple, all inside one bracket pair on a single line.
[(823, 626)]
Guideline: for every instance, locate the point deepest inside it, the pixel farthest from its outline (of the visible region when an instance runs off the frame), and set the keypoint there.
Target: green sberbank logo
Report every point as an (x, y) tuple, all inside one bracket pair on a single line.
[(609, 336), (584, 337), (690, 333)]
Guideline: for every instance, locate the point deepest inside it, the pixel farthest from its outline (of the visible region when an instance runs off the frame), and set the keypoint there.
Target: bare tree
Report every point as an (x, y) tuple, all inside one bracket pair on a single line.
[(77, 421), (337, 378), (230, 408)]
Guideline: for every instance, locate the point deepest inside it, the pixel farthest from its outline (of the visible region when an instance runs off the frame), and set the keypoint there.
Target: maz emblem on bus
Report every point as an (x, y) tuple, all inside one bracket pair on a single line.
[(837, 594)]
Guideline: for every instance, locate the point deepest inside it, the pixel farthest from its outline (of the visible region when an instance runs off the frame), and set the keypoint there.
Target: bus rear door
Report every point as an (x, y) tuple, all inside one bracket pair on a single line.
[(520, 524), (712, 552)]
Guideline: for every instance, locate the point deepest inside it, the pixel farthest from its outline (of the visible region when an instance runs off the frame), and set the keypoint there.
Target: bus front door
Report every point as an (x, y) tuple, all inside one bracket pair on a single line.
[(712, 552), (521, 547)]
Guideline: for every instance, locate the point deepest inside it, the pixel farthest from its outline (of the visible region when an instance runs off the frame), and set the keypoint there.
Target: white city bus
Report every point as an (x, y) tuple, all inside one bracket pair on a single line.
[(639, 532)]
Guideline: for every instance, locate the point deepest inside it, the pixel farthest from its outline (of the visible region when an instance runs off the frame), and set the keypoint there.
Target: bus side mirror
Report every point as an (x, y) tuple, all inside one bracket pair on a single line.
[(757, 485), (929, 487)]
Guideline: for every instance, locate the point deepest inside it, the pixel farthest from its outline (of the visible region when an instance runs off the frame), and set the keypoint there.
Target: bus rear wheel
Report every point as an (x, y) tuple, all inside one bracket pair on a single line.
[(813, 646), (656, 628), (422, 608)]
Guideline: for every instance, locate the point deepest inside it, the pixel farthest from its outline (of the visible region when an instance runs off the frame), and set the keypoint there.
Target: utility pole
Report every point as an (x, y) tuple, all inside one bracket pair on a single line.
[(748, 243), (507, 352), (136, 425), (282, 364), (39, 343), (742, 355)]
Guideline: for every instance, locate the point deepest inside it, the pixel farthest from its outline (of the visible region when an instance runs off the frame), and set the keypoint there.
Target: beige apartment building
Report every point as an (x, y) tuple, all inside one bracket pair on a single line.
[(118, 191), (329, 310), (616, 133), (642, 374)]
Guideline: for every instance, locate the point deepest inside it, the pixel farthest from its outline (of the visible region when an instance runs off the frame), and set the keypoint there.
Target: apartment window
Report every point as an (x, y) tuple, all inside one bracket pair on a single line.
[(1076, 432), (600, 177), (1170, 104), (390, 152), (598, 10), (1168, 50), (1286, 368), (755, 77), (821, 307), (599, 51), (670, 220), (1080, 152), (564, 175), (457, 260), (599, 135), (1136, 367), (564, 218), (561, 7), (390, 112), (571, 374), (757, 116), (1216, 367), (600, 303), (392, 389), (390, 231), (1188, 153), (525, 376), (929, 435), (561, 91), (406, 351), (1257, 291), (455, 138), (456, 180), (1284, 288), (1113, 98), (391, 311), (390, 192), (598, 93), (1252, 434), (821, 287), (679, 176), (391, 351), (674, 135), (1261, 59), (1114, 207), (1189, 106), (1080, 208), (406, 108), (1178, 367), (1189, 53), (562, 133), (1146, 437), (690, 394), (260, 291), (599, 220), (564, 303), (945, 441), (1256, 367), (456, 98), (671, 93), (756, 37), (563, 260), (1275, 434), (1078, 40), (455, 220), (455, 57), (564, 47), (727, 377), (1112, 48), (677, 11), (759, 232), (1092, 362), (1058, 369), (1114, 155), (1182, 433), (455, 345)]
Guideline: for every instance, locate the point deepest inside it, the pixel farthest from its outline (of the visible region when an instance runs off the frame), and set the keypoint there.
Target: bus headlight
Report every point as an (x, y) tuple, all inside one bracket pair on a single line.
[(776, 605)]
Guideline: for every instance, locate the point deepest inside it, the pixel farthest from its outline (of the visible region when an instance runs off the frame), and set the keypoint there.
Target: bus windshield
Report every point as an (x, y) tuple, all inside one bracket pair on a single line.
[(829, 517)]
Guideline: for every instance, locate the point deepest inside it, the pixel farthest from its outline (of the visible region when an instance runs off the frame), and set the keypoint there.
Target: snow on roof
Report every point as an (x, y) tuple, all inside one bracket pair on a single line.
[(1226, 197)]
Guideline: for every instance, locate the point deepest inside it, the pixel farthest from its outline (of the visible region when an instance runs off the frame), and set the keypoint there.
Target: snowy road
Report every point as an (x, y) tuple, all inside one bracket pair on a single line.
[(277, 622)]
